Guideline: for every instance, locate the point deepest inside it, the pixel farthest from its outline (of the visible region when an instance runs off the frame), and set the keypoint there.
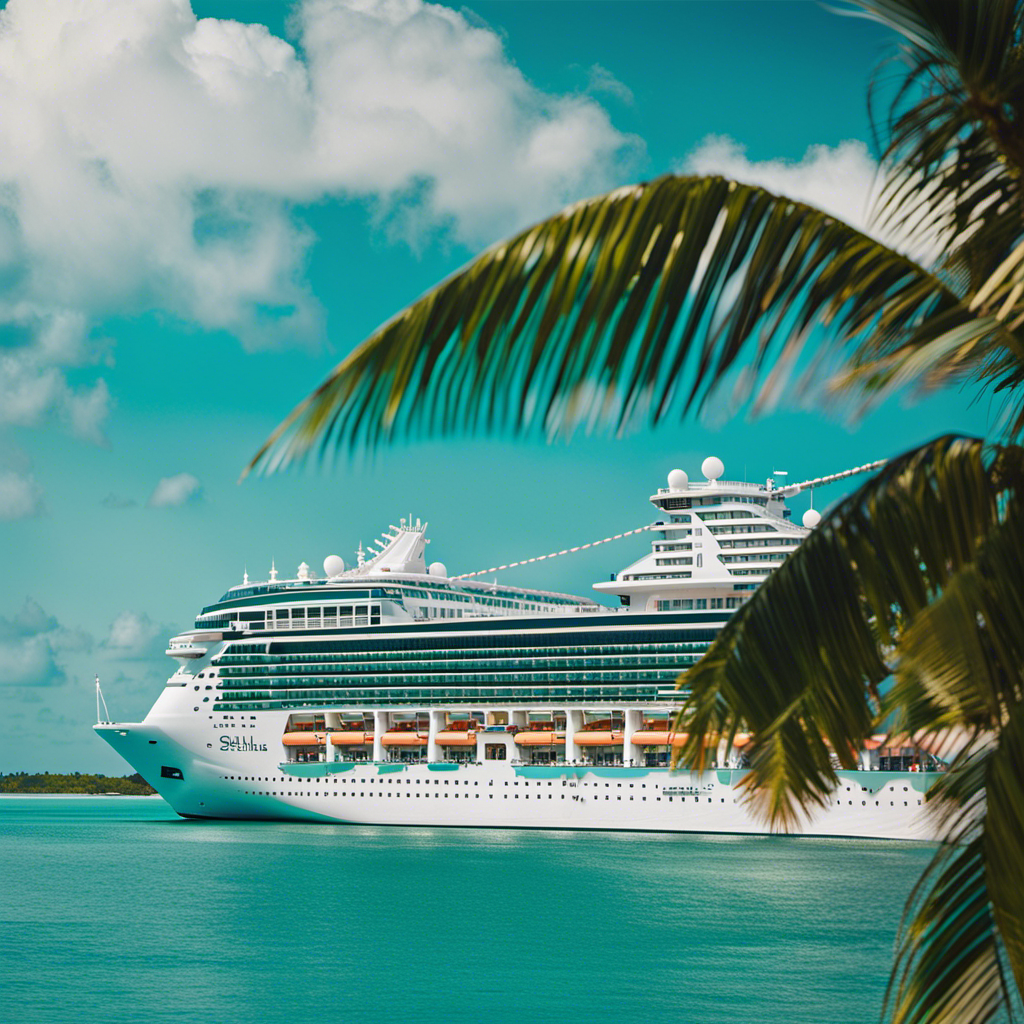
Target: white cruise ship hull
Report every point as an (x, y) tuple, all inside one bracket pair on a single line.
[(253, 784)]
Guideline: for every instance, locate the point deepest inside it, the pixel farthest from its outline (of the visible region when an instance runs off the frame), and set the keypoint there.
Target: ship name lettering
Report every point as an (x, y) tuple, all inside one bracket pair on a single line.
[(240, 743)]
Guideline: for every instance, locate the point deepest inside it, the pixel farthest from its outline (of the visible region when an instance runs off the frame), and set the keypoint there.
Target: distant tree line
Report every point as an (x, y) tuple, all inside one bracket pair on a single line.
[(126, 785)]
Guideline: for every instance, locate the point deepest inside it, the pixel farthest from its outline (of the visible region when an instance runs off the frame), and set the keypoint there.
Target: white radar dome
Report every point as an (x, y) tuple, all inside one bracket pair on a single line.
[(811, 518), (437, 569), (334, 565), (678, 480), (712, 467)]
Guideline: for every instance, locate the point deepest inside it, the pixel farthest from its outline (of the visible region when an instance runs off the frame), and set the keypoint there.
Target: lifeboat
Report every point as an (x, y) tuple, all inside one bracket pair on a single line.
[(597, 738), (404, 738), (303, 739), (456, 738), (352, 738), (742, 739), (660, 738), (539, 738)]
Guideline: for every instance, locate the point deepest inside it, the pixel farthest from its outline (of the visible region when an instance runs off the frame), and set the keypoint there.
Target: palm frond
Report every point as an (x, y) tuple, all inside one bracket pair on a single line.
[(634, 304), (916, 575), (800, 664), (954, 142), (961, 941), (965, 651)]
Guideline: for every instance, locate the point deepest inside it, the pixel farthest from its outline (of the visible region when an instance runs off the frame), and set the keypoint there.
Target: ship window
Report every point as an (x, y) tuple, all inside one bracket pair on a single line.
[(168, 772)]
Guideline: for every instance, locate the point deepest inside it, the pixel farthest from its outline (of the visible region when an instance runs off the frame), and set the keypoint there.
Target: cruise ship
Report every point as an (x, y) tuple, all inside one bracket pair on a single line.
[(390, 692)]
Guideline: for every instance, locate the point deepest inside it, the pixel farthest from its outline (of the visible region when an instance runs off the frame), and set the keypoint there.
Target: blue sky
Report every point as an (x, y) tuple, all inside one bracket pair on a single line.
[(206, 207)]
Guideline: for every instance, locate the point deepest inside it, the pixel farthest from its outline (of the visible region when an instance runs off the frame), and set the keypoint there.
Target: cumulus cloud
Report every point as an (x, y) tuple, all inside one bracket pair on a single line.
[(31, 643), (600, 79), (842, 180), (153, 160), (132, 634), (175, 490), (20, 496), (38, 345)]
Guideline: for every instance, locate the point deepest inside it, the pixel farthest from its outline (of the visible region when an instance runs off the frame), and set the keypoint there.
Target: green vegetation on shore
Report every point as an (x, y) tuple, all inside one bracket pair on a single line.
[(126, 785)]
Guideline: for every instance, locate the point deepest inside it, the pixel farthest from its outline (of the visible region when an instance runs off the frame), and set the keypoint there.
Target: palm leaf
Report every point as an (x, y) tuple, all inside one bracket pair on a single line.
[(634, 304), (952, 136), (960, 942), (916, 575), (800, 664)]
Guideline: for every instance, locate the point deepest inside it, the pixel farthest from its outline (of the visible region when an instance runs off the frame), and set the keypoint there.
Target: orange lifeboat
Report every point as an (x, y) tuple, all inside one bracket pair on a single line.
[(456, 738), (539, 738), (303, 739), (598, 738), (403, 738), (352, 738), (660, 738), (742, 739)]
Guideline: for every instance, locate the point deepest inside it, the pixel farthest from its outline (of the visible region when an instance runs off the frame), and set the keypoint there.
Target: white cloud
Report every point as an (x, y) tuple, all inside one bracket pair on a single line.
[(175, 490), (87, 409), (20, 496), (131, 633), (842, 180), (839, 180), (152, 160), (29, 643), (600, 79), (33, 385), (28, 661)]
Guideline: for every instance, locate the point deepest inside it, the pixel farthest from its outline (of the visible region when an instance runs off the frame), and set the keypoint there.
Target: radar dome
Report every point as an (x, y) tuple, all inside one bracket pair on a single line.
[(437, 569), (334, 565), (678, 480), (811, 518), (712, 467)]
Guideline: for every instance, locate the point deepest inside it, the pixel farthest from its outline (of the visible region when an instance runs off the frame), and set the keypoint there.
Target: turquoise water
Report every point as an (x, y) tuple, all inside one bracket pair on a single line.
[(113, 909)]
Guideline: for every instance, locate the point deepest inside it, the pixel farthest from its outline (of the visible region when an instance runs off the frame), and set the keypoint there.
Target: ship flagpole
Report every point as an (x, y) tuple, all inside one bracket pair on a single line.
[(105, 718)]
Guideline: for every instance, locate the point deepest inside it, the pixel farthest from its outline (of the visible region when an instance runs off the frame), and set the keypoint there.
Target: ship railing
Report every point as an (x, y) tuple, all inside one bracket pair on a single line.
[(720, 485)]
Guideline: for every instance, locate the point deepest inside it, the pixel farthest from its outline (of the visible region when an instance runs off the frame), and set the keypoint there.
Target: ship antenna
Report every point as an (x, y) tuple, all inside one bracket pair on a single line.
[(105, 718)]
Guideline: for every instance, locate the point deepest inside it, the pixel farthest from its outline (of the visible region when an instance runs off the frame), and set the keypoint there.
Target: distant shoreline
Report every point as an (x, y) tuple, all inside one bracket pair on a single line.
[(78, 796), (72, 784)]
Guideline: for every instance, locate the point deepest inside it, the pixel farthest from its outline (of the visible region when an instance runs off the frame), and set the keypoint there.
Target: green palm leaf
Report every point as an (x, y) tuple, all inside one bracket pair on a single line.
[(638, 303), (960, 943), (952, 135), (800, 665), (916, 575)]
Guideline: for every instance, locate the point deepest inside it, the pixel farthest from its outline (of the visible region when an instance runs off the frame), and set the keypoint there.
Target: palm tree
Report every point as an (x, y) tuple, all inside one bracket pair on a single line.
[(642, 303)]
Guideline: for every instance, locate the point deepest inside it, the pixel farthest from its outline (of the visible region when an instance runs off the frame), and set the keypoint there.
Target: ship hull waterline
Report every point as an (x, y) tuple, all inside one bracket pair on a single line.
[(254, 785)]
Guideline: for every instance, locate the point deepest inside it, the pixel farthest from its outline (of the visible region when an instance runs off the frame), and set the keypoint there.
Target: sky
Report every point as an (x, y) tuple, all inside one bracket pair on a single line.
[(203, 208)]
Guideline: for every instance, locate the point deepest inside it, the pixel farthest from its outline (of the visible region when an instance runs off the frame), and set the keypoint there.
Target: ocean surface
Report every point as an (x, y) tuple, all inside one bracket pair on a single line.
[(115, 910)]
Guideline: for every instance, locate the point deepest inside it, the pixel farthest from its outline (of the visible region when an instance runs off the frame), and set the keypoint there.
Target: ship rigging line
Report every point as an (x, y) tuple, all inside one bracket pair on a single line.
[(553, 554)]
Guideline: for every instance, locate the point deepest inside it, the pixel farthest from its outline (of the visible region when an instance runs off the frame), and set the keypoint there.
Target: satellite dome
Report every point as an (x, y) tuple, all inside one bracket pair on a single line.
[(678, 480), (437, 569), (334, 565), (712, 467), (811, 518)]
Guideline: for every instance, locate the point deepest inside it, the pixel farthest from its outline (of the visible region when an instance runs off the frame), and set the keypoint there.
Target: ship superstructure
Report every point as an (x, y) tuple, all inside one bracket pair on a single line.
[(392, 692)]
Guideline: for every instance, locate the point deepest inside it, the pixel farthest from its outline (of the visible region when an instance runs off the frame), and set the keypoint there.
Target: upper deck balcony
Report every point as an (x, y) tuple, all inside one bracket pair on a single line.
[(718, 487)]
